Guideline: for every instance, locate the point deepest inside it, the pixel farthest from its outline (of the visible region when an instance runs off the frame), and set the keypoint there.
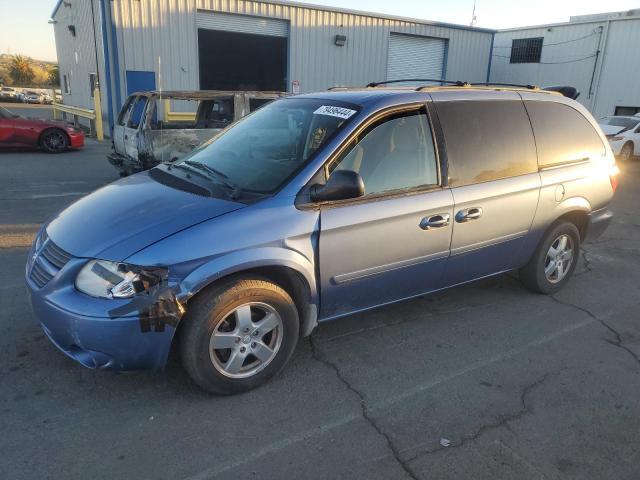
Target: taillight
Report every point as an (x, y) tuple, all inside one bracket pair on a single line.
[(614, 173)]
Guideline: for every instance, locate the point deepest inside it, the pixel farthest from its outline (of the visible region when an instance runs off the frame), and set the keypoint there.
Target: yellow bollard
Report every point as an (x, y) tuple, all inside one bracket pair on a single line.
[(97, 105)]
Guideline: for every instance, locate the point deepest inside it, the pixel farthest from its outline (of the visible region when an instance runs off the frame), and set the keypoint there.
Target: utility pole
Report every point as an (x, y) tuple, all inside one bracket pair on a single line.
[(474, 19)]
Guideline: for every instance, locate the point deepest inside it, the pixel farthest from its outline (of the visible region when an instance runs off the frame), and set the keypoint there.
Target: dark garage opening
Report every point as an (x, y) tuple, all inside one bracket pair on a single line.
[(242, 61)]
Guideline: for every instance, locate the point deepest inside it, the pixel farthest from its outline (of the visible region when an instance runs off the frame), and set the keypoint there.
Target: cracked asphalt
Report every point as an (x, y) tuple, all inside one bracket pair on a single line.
[(519, 385)]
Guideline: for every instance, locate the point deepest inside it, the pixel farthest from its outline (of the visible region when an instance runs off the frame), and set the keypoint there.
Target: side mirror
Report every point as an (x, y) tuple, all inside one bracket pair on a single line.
[(342, 184)]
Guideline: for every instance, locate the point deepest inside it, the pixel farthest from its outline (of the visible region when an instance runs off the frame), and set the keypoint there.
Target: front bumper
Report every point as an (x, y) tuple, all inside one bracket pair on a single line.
[(99, 333), (597, 223), (76, 139)]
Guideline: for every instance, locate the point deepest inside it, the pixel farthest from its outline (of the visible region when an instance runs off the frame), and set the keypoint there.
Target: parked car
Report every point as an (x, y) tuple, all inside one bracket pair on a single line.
[(7, 93), (33, 97), (623, 133), (51, 136), (155, 127), (315, 207)]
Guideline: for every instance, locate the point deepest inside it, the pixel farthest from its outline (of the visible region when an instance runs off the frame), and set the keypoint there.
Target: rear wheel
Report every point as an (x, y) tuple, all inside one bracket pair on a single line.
[(554, 260), (626, 153), (54, 141), (238, 334)]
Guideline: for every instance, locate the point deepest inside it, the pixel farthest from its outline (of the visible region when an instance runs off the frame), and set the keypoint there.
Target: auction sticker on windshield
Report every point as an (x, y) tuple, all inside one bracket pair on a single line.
[(333, 111)]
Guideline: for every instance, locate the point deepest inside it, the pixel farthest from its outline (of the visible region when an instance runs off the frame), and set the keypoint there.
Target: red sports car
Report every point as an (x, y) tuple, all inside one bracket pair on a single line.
[(49, 135)]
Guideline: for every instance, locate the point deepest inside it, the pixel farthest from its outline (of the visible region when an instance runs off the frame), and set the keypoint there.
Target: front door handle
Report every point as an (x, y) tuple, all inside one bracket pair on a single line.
[(468, 214), (435, 221)]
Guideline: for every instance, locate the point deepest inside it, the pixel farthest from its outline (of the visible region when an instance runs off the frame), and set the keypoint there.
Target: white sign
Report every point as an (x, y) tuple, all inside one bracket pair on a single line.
[(333, 111), (295, 87)]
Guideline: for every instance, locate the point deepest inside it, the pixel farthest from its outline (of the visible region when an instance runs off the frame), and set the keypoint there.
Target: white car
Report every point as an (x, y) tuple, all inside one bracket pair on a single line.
[(33, 97), (623, 134), (7, 92)]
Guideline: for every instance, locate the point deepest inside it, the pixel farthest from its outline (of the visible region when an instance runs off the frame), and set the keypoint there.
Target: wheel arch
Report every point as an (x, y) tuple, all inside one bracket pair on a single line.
[(49, 129), (287, 268)]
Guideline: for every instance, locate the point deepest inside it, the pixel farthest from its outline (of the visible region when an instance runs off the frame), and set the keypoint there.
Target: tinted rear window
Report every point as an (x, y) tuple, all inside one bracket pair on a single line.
[(486, 140), (562, 133)]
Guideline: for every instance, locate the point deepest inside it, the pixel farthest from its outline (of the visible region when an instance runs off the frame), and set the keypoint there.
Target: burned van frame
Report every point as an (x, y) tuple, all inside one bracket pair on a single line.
[(147, 132)]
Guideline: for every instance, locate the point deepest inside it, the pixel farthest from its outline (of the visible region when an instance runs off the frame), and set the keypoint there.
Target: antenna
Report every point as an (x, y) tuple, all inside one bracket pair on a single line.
[(474, 18)]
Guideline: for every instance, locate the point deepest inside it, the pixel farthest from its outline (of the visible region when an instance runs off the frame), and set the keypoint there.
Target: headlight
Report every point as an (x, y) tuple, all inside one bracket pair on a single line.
[(615, 139), (104, 279)]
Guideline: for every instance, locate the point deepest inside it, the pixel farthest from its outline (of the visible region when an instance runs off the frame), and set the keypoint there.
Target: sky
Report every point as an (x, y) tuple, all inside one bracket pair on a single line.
[(25, 29)]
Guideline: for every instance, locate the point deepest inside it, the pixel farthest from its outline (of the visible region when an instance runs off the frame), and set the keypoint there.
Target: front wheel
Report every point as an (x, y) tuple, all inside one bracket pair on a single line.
[(54, 141), (238, 334), (626, 153), (554, 260)]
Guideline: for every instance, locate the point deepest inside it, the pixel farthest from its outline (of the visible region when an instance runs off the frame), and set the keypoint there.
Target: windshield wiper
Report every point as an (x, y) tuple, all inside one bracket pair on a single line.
[(222, 177)]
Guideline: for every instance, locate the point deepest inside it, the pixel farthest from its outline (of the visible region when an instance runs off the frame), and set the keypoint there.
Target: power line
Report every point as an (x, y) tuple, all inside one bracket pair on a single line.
[(553, 63), (557, 43)]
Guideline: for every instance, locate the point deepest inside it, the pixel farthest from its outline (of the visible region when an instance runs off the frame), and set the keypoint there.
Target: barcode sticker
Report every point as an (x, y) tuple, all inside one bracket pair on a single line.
[(332, 111)]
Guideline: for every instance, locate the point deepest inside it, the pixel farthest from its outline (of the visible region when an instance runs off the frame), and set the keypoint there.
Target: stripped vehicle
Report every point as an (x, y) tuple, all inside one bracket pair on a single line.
[(315, 207), (155, 127)]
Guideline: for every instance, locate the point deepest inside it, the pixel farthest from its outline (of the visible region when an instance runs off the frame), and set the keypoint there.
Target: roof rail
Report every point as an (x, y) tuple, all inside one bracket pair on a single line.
[(494, 84), (435, 80)]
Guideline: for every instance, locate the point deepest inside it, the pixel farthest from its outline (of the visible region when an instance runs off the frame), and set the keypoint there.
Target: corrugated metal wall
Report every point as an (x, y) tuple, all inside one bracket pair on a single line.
[(82, 46), (619, 83), (568, 58), (161, 35)]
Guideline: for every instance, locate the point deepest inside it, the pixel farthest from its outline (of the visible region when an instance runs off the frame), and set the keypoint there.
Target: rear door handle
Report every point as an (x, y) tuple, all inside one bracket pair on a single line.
[(435, 221), (468, 214)]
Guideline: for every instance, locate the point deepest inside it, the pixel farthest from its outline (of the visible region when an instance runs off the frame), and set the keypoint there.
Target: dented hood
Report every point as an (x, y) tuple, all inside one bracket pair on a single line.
[(123, 217)]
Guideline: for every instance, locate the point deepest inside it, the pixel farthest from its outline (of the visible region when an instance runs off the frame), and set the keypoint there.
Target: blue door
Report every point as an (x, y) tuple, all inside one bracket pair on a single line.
[(140, 81), (393, 243)]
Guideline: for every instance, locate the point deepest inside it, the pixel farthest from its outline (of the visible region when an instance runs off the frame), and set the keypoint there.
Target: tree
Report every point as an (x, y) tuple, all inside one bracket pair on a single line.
[(20, 70), (54, 76), (5, 78)]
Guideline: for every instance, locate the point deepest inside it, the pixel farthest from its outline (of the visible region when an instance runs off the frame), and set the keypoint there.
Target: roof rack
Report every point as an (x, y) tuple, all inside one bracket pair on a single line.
[(457, 83), (496, 84)]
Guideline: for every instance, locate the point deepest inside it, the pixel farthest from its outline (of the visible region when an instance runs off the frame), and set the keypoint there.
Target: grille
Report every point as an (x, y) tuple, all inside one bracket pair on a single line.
[(48, 263)]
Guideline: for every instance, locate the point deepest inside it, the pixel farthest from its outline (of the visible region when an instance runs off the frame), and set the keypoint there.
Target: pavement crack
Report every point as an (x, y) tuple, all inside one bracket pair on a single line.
[(365, 410), (498, 422), (617, 341)]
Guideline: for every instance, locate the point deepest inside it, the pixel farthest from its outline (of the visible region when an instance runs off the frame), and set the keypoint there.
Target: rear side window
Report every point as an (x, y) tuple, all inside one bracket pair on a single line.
[(562, 133), (486, 140)]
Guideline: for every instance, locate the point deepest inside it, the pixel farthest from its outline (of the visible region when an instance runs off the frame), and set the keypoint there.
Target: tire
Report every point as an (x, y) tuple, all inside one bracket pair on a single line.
[(54, 140), (626, 152), (535, 274), (233, 313)]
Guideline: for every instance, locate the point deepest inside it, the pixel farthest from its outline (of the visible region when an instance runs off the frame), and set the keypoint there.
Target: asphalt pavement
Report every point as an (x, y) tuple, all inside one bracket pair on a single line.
[(485, 381)]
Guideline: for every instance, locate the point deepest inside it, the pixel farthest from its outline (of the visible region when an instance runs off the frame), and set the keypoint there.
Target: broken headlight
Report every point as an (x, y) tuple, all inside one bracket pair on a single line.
[(104, 279)]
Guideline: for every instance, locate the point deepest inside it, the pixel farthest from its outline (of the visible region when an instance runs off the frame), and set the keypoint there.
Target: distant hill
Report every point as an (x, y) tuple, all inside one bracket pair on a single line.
[(5, 59), (41, 69)]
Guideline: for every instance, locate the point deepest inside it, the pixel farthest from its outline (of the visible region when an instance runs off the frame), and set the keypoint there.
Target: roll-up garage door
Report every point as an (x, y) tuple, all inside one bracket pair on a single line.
[(242, 23), (411, 56), (242, 52)]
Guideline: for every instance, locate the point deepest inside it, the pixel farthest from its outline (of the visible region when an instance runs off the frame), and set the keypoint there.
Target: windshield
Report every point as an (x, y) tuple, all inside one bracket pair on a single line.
[(263, 150), (625, 122)]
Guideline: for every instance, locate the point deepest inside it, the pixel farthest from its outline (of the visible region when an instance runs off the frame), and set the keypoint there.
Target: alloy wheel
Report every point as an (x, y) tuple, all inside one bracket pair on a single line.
[(559, 259), (246, 340)]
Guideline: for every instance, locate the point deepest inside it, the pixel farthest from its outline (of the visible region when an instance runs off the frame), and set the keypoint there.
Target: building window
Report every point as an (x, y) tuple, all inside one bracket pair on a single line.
[(526, 50), (66, 88), (627, 111)]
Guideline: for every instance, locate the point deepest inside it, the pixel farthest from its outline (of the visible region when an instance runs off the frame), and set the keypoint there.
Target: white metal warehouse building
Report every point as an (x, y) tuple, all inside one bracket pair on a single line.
[(135, 45), (598, 54)]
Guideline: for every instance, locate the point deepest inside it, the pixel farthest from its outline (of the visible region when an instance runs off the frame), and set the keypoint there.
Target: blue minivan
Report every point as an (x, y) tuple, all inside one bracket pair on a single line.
[(315, 207)]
